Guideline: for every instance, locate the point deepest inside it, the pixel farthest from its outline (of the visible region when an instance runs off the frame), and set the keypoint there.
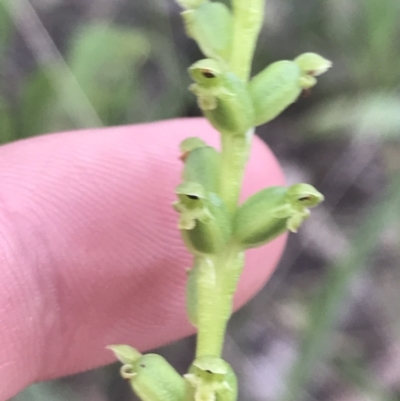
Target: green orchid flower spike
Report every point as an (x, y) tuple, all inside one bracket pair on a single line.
[(215, 228)]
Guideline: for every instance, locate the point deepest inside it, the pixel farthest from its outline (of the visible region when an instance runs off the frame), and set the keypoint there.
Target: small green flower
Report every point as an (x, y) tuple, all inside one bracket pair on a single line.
[(273, 211)]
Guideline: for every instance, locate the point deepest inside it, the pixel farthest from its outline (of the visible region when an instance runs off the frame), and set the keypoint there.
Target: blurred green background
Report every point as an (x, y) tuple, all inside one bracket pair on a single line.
[(327, 325)]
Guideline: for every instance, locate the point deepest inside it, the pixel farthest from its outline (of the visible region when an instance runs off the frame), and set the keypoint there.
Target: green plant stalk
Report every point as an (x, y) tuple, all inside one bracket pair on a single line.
[(217, 284), (248, 16), (215, 288), (234, 155)]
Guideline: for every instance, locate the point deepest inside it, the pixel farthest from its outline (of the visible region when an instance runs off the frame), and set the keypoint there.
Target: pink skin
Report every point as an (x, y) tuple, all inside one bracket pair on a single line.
[(89, 250)]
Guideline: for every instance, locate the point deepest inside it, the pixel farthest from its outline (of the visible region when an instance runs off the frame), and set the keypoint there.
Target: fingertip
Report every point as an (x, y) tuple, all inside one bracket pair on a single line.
[(91, 210)]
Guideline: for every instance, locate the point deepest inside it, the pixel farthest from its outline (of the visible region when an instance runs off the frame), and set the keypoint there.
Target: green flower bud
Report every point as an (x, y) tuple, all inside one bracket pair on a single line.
[(204, 220), (312, 64), (222, 96), (211, 378), (202, 166), (191, 143), (210, 25), (274, 89), (271, 212), (280, 84), (151, 377)]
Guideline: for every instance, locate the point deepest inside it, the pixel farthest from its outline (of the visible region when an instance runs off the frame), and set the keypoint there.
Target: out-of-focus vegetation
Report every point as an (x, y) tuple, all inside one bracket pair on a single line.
[(103, 72), (327, 325)]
